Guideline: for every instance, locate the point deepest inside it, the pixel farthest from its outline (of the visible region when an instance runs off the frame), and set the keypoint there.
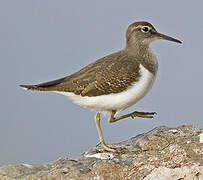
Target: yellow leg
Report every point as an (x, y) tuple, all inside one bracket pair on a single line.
[(112, 119), (133, 114), (101, 138)]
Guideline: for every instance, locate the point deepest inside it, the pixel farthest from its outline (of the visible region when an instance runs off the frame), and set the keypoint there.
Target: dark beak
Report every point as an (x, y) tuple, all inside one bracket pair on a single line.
[(162, 36)]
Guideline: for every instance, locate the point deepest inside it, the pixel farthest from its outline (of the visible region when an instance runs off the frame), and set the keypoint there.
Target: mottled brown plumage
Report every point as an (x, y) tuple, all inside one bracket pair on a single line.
[(111, 74)]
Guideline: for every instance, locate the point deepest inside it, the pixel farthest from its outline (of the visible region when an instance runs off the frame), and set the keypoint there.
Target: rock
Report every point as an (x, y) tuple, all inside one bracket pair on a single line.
[(161, 154), (182, 173)]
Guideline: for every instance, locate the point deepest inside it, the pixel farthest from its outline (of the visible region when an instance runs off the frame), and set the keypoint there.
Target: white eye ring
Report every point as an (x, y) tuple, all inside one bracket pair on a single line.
[(145, 29)]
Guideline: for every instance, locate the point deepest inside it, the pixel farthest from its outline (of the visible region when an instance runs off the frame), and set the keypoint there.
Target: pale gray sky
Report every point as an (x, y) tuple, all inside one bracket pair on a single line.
[(49, 39)]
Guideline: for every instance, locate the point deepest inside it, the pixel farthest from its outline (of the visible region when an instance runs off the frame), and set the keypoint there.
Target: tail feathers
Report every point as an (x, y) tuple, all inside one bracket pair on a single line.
[(33, 87), (47, 86)]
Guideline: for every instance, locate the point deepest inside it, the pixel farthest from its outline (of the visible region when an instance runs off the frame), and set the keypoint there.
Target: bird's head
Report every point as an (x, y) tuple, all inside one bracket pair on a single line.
[(143, 33)]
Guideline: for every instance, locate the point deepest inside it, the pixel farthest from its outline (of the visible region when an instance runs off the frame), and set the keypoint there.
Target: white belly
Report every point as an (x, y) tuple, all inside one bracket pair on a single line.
[(119, 101)]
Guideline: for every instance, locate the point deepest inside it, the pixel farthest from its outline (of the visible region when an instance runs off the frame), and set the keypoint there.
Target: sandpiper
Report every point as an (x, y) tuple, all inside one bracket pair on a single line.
[(114, 82)]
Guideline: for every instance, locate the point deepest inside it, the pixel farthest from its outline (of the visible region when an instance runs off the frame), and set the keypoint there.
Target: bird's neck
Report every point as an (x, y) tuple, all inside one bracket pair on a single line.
[(137, 49), (144, 55)]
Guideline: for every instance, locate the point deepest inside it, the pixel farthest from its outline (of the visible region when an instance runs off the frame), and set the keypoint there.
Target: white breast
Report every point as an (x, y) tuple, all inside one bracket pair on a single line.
[(119, 101)]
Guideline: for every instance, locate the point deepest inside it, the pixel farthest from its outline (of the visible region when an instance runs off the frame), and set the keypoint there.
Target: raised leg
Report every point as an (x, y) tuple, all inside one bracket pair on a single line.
[(132, 115), (101, 138)]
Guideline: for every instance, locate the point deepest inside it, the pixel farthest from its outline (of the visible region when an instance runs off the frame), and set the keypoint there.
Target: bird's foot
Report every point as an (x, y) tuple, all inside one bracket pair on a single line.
[(111, 147), (143, 114), (108, 147)]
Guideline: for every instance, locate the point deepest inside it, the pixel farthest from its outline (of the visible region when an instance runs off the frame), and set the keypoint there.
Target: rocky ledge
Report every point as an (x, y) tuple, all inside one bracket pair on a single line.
[(161, 154)]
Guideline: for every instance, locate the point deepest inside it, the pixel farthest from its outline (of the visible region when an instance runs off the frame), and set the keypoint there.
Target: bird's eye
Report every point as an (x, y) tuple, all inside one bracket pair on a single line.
[(145, 29)]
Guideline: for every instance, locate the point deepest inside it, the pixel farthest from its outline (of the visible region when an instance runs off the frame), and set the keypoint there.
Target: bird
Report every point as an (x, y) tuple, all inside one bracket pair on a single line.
[(115, 82)]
